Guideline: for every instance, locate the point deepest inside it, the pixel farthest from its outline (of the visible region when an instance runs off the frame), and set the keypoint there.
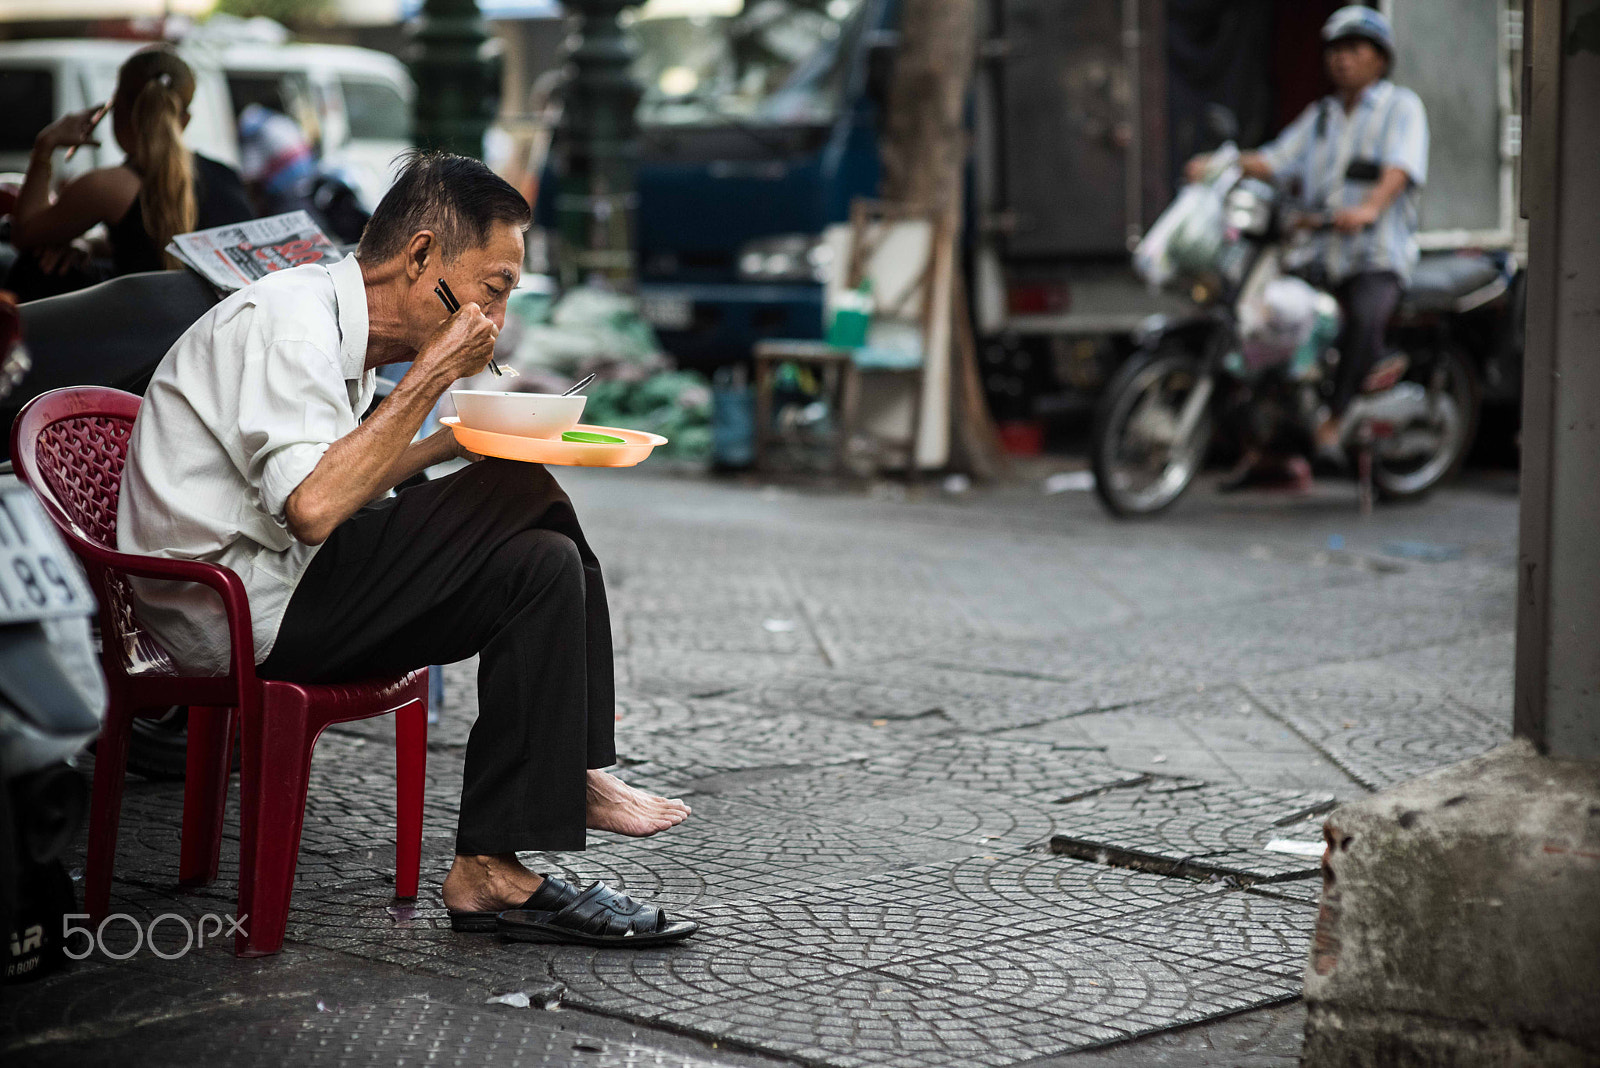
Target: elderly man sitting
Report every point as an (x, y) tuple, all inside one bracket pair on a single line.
[(250, 452)]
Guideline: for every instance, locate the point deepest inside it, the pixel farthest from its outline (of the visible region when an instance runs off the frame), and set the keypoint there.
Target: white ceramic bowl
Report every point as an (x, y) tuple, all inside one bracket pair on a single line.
[(529, 415)]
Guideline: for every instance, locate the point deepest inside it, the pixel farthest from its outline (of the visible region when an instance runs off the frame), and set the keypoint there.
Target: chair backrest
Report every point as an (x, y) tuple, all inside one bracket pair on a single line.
[(70, 445)]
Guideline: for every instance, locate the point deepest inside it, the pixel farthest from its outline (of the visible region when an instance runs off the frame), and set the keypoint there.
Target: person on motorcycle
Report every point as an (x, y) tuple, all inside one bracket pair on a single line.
[(1361, 155)]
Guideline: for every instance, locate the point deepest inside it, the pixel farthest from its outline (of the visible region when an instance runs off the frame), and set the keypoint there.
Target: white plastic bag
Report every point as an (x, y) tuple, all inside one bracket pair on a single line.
[(1188, 236), (1276, 323)]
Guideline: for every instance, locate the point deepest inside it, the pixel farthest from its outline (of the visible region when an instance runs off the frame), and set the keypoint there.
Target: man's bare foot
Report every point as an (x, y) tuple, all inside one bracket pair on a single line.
[(617, 807), (489, 883)]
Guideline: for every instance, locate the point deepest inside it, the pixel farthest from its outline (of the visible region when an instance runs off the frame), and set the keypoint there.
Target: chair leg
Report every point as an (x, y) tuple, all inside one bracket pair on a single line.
[(205, 793), (105, 810), (411, 760), (275, 746), (913, 468), (849, 405)]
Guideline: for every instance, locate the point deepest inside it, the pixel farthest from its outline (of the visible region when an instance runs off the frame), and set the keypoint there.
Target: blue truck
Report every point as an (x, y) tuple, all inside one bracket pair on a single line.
[(755, 137)]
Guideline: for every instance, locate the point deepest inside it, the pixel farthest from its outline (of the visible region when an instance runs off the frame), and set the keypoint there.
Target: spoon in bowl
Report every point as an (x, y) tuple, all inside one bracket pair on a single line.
[(579, 386)]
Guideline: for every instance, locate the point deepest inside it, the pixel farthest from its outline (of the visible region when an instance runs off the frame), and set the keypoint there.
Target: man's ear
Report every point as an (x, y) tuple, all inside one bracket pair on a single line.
[(420, 250)]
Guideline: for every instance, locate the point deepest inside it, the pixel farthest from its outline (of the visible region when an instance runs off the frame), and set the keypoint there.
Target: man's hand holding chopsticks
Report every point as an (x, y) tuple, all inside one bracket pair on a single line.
[(461, 346)]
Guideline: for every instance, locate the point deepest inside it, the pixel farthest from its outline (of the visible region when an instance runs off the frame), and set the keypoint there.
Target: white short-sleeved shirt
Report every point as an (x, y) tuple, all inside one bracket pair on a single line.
[(237, 415), (1387, 128)]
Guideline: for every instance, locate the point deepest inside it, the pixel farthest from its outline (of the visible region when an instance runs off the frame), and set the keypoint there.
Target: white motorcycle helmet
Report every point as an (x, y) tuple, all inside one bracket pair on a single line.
[(1363, 22)]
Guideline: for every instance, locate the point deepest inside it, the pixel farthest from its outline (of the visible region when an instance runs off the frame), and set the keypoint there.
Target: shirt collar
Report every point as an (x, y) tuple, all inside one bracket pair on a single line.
[(350, 296), (1371, 96)]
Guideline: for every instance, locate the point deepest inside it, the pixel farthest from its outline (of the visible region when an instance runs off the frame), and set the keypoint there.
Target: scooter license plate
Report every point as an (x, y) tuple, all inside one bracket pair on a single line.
[(39, 578)]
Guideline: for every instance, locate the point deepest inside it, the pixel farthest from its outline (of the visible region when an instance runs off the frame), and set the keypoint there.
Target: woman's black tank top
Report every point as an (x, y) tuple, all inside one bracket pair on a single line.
[(219, 199)]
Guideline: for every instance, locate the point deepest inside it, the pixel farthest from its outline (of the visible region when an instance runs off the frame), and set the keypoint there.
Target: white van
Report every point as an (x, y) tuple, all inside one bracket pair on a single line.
[(355, 103), (42, 80)]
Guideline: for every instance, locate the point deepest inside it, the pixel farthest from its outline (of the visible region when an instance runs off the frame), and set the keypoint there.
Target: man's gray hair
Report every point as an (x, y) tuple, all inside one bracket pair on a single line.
[(456, 197)]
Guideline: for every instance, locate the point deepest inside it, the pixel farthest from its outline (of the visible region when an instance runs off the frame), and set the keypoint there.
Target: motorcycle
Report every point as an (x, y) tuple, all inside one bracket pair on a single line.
[(52, 700), (1253, 364)]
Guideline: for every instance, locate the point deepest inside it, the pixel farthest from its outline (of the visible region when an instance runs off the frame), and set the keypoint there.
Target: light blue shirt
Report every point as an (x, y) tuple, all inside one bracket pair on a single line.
[(1388, 127)]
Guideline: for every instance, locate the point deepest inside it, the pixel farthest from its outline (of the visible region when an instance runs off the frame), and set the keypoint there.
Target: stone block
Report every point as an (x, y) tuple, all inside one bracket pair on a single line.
[(1460, 920)]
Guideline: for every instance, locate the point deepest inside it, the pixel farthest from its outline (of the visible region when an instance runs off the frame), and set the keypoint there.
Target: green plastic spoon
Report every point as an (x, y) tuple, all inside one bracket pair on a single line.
[(583, 437)]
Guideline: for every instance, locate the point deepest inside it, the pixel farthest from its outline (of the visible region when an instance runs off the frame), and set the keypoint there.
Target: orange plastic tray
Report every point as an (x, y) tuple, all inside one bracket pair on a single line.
[(636, 446)]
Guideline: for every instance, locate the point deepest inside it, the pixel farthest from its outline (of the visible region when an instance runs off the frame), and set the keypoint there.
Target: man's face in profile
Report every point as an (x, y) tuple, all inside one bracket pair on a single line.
[(486, 275)]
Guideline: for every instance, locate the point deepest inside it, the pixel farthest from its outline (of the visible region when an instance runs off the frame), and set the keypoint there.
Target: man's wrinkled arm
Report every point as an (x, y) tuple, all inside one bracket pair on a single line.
[(434, 449), (368, 461)]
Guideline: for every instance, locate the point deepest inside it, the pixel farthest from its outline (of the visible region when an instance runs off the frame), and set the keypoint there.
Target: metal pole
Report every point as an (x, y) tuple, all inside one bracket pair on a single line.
[(596, 149), (1558, 602), (455, 87)]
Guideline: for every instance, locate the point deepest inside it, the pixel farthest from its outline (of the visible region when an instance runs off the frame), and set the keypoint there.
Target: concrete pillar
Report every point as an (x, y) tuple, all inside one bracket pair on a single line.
[(1459, 921), (1558, 603)]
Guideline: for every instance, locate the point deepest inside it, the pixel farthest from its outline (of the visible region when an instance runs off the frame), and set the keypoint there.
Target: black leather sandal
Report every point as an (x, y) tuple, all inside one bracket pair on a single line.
[(553, 893), (599, 916)]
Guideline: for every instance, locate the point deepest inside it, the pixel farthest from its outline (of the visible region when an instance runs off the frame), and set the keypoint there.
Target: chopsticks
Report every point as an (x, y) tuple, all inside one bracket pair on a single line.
[(579, 386), (452, 305)]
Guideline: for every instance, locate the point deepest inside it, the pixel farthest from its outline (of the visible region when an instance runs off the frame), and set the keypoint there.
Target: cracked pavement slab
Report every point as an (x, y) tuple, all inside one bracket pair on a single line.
[(883, 712)]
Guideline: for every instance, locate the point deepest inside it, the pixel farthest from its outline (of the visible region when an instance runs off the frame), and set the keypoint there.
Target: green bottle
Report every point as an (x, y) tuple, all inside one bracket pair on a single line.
[(852, 314)]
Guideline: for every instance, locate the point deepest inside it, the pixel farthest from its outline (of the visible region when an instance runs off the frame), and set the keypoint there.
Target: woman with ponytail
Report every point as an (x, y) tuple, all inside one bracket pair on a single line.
[(160, 190)]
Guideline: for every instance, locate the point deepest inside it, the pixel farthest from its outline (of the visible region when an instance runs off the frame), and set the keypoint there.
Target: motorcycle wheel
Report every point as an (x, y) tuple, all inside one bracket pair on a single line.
[(1139, 469), (158, 746), (1453, 390)]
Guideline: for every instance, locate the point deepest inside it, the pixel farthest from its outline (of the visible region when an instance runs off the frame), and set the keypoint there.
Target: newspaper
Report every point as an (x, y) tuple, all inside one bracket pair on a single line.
[(231, 257)]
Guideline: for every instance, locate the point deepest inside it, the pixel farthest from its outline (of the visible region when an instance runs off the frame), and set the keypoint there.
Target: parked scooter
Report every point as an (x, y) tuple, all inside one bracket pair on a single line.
[(1254, 363), (52, 699)]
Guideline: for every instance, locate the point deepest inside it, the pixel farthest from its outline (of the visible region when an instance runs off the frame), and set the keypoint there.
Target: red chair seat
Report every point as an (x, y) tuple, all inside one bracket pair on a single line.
[(69, 445)]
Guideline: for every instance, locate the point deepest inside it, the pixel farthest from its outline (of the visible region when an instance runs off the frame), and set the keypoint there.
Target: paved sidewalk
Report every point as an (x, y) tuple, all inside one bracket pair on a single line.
[(985, 779)]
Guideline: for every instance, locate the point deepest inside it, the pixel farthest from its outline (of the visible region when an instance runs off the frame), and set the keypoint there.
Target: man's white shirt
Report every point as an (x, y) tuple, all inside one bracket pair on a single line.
[(237, 415)]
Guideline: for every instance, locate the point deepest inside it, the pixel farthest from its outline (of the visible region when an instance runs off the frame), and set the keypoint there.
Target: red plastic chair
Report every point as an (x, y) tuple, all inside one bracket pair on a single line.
[(69, 445)]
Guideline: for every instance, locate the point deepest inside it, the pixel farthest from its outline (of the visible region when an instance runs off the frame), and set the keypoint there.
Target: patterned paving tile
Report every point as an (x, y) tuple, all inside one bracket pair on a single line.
[(697, 974), (1194, 829), (758, 741), (750, 853), (1229, 927), (871, 1019), (1386, 738), (1093, 983), (1021, 769), (934, 908), (675, 673), (1220, 735)]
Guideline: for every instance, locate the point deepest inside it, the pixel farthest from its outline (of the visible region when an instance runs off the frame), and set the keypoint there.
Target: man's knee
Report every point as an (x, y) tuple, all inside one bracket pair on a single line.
[(496, 475), (542, 560)]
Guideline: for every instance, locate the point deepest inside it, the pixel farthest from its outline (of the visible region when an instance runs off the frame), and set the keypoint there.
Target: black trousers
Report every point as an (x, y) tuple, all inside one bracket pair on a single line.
[(1368, 300), (490, 561)]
